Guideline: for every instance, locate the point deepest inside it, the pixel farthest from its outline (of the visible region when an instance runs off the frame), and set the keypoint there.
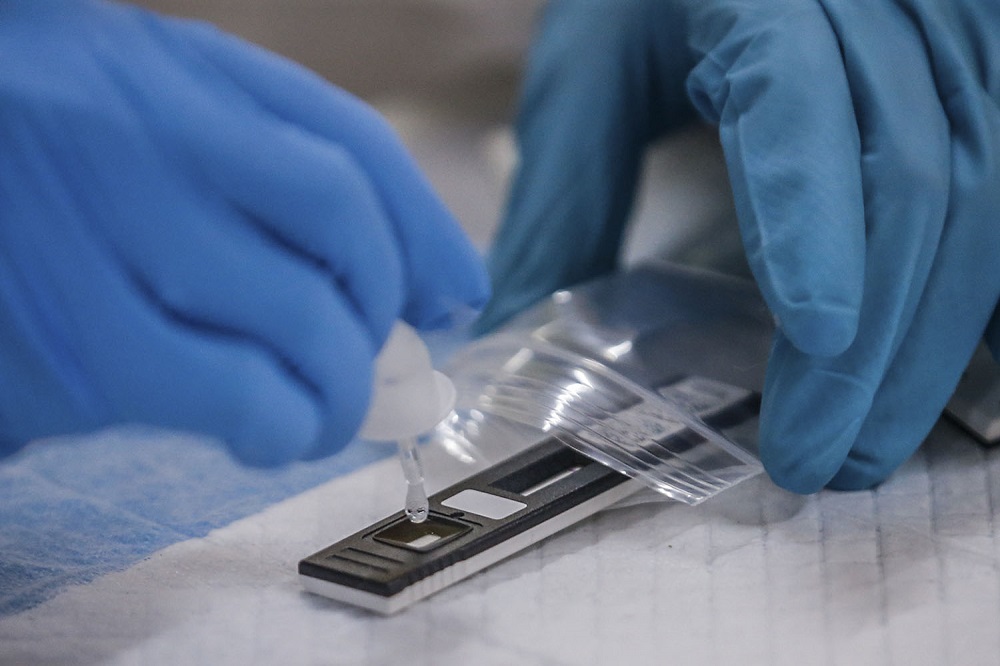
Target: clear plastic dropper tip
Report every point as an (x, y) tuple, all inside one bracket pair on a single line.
[(417, 506)]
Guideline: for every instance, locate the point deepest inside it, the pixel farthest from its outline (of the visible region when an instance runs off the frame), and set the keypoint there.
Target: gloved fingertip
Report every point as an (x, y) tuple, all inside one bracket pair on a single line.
[(430, 321), (347, 406), (810, 418), (456, 290), (339, 425), (820, 331), (478, 292), (500, 310), (458, 303), (487, 322), (859, 475), (329, 442), (800, 468), (445, 313), (285, 431)]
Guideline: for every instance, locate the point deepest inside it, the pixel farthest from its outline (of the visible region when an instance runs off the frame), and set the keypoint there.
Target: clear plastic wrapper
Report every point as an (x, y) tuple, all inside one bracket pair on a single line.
[(654, 372)]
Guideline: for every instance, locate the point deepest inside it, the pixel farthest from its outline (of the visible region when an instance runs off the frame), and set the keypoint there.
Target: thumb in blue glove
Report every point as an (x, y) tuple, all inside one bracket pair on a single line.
[(199, 235), (862, 142)]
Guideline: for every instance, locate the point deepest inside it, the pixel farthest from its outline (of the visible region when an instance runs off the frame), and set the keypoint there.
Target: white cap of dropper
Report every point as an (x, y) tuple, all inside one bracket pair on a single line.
[(409, 397)]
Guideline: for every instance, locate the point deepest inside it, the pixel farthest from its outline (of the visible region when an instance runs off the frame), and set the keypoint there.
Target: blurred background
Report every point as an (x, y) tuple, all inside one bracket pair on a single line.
[(464, 56), (446, 73)]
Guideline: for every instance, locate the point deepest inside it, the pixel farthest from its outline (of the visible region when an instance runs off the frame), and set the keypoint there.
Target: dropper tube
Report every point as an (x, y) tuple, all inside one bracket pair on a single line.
[(409, 398), (417, 506)]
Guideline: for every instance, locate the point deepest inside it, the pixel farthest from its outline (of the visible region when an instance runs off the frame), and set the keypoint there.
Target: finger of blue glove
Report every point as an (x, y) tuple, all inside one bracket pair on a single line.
[(963, 287), (442, 269), (123, 359), (773, 79), (947, 326), (604, 79), (818, 410)]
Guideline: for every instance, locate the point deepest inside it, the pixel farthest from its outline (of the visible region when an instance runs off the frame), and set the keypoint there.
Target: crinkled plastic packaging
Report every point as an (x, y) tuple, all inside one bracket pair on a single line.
[(655, 372)]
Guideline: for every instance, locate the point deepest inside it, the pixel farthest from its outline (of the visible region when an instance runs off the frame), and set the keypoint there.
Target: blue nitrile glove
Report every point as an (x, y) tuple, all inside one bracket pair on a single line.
[(862, 139), (197, 234)]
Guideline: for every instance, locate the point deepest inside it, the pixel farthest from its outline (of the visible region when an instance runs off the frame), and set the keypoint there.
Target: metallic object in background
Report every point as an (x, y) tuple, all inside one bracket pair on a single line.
[(976, 402)]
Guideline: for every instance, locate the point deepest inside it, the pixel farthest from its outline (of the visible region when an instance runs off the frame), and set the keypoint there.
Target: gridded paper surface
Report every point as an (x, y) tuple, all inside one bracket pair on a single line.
[(909, 574)]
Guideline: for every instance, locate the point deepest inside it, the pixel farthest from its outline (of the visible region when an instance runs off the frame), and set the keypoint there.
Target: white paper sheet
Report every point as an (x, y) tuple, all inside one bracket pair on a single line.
[(908, 574)]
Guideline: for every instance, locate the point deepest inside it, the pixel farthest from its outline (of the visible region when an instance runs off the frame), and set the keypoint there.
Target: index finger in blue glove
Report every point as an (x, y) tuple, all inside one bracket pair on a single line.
[(954, 291), (442, 268), (772, 76), (815, 405)]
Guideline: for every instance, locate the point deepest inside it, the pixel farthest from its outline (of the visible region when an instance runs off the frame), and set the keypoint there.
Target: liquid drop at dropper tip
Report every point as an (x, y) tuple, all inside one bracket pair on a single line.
[(417, 506)]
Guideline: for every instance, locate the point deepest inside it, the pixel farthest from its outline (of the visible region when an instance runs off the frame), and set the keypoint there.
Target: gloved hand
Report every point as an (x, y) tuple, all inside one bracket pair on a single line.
[(197, 234), (862, 140)]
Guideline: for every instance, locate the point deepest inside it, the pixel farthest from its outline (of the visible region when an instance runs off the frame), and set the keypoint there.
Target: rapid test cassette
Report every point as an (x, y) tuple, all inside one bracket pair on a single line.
[(471, 525), (494, 514)]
